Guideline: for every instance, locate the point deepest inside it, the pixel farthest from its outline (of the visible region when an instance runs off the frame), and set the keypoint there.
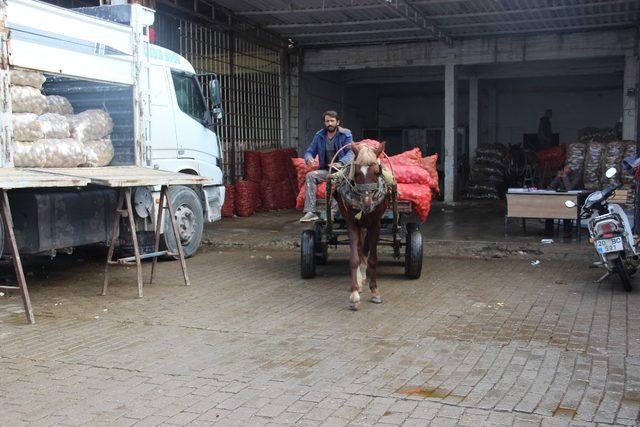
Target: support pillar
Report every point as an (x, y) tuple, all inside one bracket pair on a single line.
[(450, 151), (629, 97), (473, 117)]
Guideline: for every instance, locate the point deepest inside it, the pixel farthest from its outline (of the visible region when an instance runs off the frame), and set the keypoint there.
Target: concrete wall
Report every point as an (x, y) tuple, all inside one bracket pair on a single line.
[(576, 103)]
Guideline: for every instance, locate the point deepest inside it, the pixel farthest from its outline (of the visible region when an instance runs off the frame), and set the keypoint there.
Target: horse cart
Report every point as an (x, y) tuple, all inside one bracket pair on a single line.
[(400, 230)]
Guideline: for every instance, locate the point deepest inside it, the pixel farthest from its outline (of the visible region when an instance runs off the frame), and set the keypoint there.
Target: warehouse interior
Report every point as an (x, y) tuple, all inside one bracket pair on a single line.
[(442, 75)]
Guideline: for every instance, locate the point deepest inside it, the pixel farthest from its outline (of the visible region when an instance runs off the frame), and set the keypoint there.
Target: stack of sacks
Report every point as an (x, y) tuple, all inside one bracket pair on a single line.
[(591, 134), (253, 173), (245, 194), (228, 207), (627, 177), (593, 165), (488, 173), (575, 156), (46, 133), (417, 178), (276, 186)]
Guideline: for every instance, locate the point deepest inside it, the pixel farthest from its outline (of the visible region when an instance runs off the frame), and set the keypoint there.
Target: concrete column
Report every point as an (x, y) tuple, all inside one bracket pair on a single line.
[(473, 117), (450, 151), (629, 97)]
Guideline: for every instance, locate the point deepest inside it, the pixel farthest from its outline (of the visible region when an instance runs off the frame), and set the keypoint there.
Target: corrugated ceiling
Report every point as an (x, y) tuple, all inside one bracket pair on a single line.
[(326, 22)]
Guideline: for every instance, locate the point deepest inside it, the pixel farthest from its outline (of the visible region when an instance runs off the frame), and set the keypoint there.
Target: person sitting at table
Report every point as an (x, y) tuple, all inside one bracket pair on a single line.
[(566, 180)]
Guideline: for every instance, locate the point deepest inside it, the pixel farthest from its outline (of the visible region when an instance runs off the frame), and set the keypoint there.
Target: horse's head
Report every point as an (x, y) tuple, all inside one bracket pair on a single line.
[(366, 172)]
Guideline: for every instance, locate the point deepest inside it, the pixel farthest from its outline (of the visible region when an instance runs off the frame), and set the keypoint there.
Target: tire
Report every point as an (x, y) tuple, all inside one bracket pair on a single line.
[(307, 254), (623, 273), (320, 250), (413, 252), (189, 215)]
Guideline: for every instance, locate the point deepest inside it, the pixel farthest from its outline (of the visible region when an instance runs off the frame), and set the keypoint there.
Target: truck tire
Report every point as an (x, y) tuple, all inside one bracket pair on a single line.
[(413, 252), (187, 209), (623, 273), (307, 254)]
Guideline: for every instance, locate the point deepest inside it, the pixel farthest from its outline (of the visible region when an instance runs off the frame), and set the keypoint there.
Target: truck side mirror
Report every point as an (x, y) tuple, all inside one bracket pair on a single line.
[(214, 93)]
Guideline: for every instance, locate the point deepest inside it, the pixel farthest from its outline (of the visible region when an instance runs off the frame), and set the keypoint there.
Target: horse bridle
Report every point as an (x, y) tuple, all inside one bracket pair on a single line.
[(354, 193)]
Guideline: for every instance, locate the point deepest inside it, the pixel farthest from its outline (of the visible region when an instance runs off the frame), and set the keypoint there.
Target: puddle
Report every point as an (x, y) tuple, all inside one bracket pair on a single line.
[(564, 412), (436, 393)]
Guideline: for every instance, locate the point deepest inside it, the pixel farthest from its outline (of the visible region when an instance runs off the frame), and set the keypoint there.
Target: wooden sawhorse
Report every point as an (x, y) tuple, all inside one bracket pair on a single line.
[(7, 219), (124, 208)]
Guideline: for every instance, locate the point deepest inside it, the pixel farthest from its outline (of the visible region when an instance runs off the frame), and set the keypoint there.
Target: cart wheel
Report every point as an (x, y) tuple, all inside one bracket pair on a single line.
[(307, 254), (413, 252), (320, 249)]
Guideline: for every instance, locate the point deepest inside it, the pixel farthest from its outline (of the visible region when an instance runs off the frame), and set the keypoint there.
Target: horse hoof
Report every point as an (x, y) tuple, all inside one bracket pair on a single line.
[(354, 306), (376, 299)]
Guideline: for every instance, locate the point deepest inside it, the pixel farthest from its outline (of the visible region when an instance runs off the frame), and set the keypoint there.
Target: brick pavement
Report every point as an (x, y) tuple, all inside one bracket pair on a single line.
[(473, 342)]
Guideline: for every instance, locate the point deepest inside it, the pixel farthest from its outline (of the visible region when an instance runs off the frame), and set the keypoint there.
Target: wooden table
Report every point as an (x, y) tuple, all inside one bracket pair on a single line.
[(542, 204), (124, 178)]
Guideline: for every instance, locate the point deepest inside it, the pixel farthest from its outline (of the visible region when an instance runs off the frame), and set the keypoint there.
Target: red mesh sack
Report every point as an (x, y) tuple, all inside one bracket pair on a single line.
[(420, 197), (410, 157), (257, 200), (228, 207), (429, 164), (553, 157), (320, 194), (408, 174), (285, 196), (245, 195), (274, 166), (268, 195), (301, 171), (252, 166)]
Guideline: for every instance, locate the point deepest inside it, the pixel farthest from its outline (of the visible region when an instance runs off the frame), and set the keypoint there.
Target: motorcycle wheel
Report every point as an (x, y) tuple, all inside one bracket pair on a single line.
[(623, 273)]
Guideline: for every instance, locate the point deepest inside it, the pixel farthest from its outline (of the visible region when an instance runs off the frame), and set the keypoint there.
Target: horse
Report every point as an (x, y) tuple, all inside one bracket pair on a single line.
[(361, 195)]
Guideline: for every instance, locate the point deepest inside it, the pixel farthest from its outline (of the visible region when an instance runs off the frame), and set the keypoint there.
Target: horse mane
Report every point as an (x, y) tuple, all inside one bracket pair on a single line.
[(366, 155)]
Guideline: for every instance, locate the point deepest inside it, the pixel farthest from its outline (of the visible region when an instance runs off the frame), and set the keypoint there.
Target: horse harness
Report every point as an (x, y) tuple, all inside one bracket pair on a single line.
[(353, 194)]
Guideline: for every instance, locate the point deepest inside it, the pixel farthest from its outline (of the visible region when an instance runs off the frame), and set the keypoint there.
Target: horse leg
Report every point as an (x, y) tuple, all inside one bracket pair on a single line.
[(363, 251), (372, 265), (354, 262), (364, 256)]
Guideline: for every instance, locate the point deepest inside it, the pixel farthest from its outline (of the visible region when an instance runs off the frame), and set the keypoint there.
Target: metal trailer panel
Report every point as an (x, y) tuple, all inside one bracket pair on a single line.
[(47, 219)]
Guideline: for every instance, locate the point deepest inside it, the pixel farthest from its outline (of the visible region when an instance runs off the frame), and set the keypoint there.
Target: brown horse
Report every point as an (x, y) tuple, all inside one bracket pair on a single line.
[(362, 200)]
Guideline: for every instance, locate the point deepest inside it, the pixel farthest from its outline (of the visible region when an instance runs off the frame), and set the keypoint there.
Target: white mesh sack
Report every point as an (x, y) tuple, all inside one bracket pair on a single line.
[(54, 126), (34, 79), (26, 127), (28, 154), (27, 99), (48, 153), (98, 152), (58, 104), (90, 125)]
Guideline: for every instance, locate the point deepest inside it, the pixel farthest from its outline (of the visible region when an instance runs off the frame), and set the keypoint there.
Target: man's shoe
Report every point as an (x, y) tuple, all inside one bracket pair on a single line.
[(309, 217)]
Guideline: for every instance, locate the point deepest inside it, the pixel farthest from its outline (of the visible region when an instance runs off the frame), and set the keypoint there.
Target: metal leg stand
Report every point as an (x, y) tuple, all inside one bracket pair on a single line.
[(125, 197), (5, 210), (121, 211)]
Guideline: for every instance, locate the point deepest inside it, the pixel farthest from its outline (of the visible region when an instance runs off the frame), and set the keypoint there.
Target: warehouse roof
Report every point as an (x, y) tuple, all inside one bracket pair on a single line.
[(328, 22)]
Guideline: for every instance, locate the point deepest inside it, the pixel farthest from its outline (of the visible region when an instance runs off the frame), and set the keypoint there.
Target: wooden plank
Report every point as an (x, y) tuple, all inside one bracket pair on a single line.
[(15, 178), (541, 206), (129, 176)]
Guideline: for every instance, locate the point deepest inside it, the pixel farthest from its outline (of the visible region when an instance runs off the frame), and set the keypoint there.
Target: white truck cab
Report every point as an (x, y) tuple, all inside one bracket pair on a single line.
[(101, 57)]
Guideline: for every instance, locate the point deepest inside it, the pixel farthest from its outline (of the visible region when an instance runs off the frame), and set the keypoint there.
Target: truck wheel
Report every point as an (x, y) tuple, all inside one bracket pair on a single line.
[(307, 254), (623, 273), (413, 252), (187, 210)]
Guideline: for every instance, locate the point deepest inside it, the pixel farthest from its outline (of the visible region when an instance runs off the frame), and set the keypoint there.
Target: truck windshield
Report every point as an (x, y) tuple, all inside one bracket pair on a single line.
[(189, 95)]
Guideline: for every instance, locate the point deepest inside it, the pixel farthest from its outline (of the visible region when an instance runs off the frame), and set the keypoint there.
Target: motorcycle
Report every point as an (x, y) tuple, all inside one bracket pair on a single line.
[(610, 233)]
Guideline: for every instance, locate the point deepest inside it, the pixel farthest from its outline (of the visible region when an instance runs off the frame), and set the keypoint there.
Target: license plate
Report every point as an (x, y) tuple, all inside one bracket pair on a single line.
[(604, 246)]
